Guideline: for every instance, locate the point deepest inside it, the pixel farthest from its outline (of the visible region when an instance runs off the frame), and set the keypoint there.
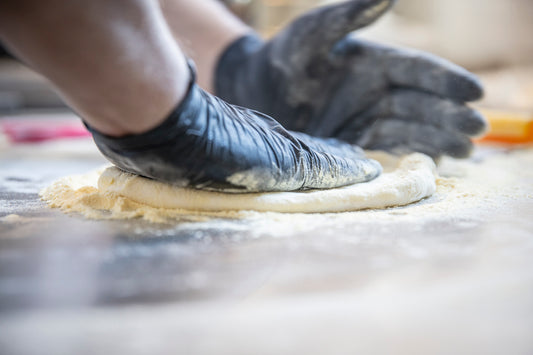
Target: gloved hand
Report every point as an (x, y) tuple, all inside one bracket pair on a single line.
[(316, 77), (207, 143)]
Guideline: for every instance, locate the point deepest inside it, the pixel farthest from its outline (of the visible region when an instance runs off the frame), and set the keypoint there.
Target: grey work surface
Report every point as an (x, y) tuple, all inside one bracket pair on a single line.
[(74, 286)]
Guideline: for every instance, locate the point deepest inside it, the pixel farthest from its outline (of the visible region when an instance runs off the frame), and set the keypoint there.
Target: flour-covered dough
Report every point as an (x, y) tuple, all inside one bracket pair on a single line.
[(412, 180)]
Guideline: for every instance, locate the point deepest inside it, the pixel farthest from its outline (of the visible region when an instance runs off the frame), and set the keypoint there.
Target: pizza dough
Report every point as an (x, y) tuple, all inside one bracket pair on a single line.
[(113, 193), (413, 180)]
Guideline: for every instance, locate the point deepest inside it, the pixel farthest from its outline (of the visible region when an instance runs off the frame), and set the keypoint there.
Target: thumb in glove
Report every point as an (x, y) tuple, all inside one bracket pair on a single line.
[(315, 77)]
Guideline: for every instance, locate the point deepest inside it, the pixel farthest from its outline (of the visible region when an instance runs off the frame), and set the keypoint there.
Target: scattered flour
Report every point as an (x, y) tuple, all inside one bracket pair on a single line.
[(123, 195), (467, 191), (11, 218)]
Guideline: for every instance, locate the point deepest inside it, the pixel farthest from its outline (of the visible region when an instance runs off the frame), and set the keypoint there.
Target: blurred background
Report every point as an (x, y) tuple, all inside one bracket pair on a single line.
[(492, 38), (479, 34), (489, 37)]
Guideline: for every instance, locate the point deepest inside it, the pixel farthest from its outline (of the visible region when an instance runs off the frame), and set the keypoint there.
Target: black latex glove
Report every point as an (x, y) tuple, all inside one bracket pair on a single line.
[(316, 78), (207, 143)]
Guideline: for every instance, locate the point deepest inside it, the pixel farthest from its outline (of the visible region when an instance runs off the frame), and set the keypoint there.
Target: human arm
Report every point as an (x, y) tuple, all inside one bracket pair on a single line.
[(128, 79), (203, 28)]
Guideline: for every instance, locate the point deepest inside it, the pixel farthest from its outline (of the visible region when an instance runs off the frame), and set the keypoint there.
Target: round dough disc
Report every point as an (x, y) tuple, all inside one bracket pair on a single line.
[(412, 179)]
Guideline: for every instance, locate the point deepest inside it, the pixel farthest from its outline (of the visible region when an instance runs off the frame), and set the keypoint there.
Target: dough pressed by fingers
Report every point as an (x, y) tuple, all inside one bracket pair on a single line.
[(412, 179)]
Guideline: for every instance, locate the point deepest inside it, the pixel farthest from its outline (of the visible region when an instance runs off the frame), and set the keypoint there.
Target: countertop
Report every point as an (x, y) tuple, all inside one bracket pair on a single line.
[(265, 284)]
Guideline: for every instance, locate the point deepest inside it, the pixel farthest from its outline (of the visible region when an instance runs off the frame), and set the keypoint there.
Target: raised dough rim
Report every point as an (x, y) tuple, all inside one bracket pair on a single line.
[(413, 180)]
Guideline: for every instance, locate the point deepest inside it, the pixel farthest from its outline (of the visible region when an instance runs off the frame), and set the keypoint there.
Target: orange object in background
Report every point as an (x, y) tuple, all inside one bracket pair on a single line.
[(512, 127)]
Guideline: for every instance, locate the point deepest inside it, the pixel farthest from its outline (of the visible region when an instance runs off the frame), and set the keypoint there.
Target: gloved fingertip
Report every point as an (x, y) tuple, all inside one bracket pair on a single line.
[(475, 124), (331, 23), (370, 10), (371, 169), (466, 87), (459, 149)]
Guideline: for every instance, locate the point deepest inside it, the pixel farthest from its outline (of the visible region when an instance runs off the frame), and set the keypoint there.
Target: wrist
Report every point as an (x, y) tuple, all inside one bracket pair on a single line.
[(160, 133), (231, 64)]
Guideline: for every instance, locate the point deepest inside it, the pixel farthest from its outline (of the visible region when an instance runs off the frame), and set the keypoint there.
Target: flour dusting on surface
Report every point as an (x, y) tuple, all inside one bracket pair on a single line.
[(468, 192)]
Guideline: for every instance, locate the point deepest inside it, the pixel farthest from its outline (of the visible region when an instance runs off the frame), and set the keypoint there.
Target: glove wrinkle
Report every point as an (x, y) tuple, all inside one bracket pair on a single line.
[(209, 144)]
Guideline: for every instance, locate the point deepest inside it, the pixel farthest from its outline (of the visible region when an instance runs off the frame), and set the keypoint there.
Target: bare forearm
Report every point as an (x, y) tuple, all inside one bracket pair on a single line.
[(204, 28), (122, 72)]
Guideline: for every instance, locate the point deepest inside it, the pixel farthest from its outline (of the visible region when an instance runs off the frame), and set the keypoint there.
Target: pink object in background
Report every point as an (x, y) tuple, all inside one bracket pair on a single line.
[(23, 130)]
